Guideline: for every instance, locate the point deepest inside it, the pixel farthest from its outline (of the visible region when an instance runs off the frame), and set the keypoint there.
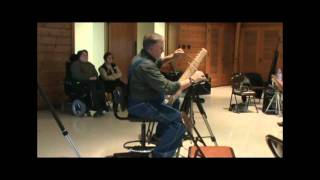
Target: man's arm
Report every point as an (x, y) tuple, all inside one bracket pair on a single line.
[(172, 56), (157, 81)]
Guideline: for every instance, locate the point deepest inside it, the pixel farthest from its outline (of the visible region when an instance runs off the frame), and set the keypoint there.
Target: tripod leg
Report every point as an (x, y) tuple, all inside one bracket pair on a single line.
[(200, 107), (195, 142), (202, 112), (213, 138), (187, 124), (199, 136), (279, 107), (191, 114), (270, 103)]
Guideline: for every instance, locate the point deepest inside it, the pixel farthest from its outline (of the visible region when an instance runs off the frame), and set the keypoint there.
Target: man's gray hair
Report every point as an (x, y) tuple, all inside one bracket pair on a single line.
[(151, 39)]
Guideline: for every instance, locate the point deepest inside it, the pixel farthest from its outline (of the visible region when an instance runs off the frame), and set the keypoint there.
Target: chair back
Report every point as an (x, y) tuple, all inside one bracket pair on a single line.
[(240, 83), (275, 145)]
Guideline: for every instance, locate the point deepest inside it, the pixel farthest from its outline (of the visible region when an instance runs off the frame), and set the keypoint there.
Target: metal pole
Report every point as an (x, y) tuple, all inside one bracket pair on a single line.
[(58, 121)]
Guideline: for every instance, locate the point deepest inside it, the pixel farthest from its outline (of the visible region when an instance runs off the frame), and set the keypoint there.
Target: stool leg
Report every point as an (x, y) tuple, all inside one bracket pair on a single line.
[(149, 133), (143, 135)]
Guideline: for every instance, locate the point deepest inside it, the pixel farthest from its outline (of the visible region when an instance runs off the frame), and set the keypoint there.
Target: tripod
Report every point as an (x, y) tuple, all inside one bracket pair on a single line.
[(275, 98), (191, 97), (187, 107), (58, 121)]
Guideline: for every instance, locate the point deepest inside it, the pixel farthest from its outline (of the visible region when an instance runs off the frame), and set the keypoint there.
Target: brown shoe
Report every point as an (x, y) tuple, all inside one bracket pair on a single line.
[(187, 122)]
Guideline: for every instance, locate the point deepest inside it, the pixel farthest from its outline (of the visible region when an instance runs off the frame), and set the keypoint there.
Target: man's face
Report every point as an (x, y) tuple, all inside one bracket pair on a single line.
[(157, 49)]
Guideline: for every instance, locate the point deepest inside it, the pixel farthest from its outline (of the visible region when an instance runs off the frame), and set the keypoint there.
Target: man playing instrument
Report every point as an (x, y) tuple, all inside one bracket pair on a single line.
[(147, 88)]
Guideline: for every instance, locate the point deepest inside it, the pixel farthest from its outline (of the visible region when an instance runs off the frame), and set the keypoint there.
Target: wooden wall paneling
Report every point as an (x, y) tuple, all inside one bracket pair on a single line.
[(248, 49), (269, 39), (122, 39), (55, 43), (214, 49), (228, 35), (191, 38), (257, 47)]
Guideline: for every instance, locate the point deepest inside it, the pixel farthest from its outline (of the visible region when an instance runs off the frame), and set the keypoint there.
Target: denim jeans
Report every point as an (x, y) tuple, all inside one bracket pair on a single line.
[(170, 125), (161, 126)]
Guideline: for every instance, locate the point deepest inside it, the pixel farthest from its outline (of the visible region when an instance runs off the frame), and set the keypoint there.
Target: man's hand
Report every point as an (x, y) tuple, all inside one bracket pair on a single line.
[(174, 55), (177, 53), (198, 76), (93, 78)]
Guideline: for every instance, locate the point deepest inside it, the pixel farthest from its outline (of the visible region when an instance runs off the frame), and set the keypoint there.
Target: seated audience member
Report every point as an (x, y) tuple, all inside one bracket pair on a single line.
[(85, 72), (110, 73)]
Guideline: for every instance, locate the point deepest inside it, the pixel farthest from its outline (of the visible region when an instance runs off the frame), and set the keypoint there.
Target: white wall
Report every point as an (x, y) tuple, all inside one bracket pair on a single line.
[(142, 29), (91, 36), (83, 37), (98, 44), (160, 28)]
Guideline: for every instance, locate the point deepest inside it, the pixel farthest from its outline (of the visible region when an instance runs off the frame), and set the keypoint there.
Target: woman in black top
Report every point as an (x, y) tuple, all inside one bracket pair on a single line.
[(110, 73)]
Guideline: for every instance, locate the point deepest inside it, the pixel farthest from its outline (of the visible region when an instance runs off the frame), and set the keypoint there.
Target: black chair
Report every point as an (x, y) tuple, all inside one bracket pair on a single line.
[(241, 87), (275, 145), (120, 112), (256, 84)]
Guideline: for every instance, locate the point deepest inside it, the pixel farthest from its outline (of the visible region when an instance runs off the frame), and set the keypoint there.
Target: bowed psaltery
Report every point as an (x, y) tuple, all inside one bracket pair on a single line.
[(193, 67)]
